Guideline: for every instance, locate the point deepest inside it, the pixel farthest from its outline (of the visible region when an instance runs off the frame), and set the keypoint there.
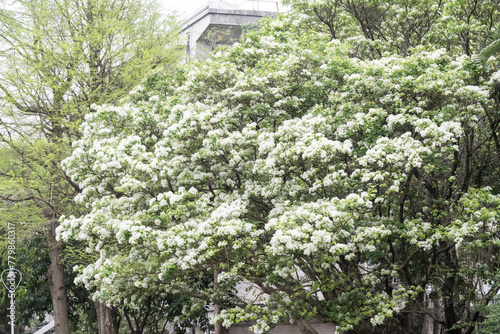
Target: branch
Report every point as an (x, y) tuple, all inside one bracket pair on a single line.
[(16, 200)]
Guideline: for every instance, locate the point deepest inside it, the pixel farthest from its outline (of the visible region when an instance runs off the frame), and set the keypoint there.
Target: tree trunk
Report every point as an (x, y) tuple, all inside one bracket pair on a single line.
[(218, 328), (414, 322), (449, 307), (447, 289), (107, 318), (304, 327), (56, 283)]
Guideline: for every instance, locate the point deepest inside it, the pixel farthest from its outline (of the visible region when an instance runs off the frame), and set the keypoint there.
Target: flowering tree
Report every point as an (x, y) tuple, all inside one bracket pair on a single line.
[(60, 57), (358, 192)]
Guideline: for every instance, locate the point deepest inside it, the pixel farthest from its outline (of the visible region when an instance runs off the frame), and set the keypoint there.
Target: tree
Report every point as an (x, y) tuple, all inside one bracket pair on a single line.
[(362, 192), (59, 58), (374, 27), (23, 216), (491, 323), (491, 48)]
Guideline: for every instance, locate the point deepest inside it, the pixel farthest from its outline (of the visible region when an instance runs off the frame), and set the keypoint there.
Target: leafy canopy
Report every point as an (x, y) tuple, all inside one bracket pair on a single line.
[(58, 58), (350, 189)]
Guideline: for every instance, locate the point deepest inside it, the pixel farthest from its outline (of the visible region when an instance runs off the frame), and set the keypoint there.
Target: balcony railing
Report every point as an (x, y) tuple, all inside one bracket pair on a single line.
[(255, 5)]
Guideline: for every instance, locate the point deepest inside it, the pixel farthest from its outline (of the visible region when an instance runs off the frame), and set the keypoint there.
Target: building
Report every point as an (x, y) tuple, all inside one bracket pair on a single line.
[(219, 23)]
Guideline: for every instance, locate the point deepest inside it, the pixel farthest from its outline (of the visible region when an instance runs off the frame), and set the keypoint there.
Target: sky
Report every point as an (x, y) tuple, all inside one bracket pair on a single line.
[(186, 7)]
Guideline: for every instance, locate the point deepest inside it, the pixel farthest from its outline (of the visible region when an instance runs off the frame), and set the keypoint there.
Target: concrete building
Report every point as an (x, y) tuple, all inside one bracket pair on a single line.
[(219, 23)]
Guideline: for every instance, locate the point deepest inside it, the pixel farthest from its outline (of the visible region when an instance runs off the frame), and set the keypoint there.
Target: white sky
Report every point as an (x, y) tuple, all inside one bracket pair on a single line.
[(182, 7), (186, 7)]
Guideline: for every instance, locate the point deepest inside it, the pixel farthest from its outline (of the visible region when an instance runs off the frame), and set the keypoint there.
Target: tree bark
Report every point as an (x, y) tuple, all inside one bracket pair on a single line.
[(304, 327), (413, 322), (218, 328), (56, 283), (107, 318), (447, 290)]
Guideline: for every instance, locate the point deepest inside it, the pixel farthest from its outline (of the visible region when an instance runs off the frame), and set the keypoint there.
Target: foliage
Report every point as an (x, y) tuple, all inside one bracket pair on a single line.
[(210, 40), (171, 310), (251, 26), (356, 186), (491, 324), (33, 299), (59, 57), (491, 48), (374, 27)]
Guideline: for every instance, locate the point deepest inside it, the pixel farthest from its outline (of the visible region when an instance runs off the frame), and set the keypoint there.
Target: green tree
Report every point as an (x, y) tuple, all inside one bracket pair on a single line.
[(489, 48), (18, 211), (491, 323), (58, 58)]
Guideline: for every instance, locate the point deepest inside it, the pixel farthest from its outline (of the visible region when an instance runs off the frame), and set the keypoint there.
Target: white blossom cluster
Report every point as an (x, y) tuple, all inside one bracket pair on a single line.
[(274, 158)]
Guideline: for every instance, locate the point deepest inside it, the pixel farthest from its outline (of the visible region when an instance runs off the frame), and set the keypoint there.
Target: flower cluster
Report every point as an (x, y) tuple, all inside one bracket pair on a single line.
[(284, 162)]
